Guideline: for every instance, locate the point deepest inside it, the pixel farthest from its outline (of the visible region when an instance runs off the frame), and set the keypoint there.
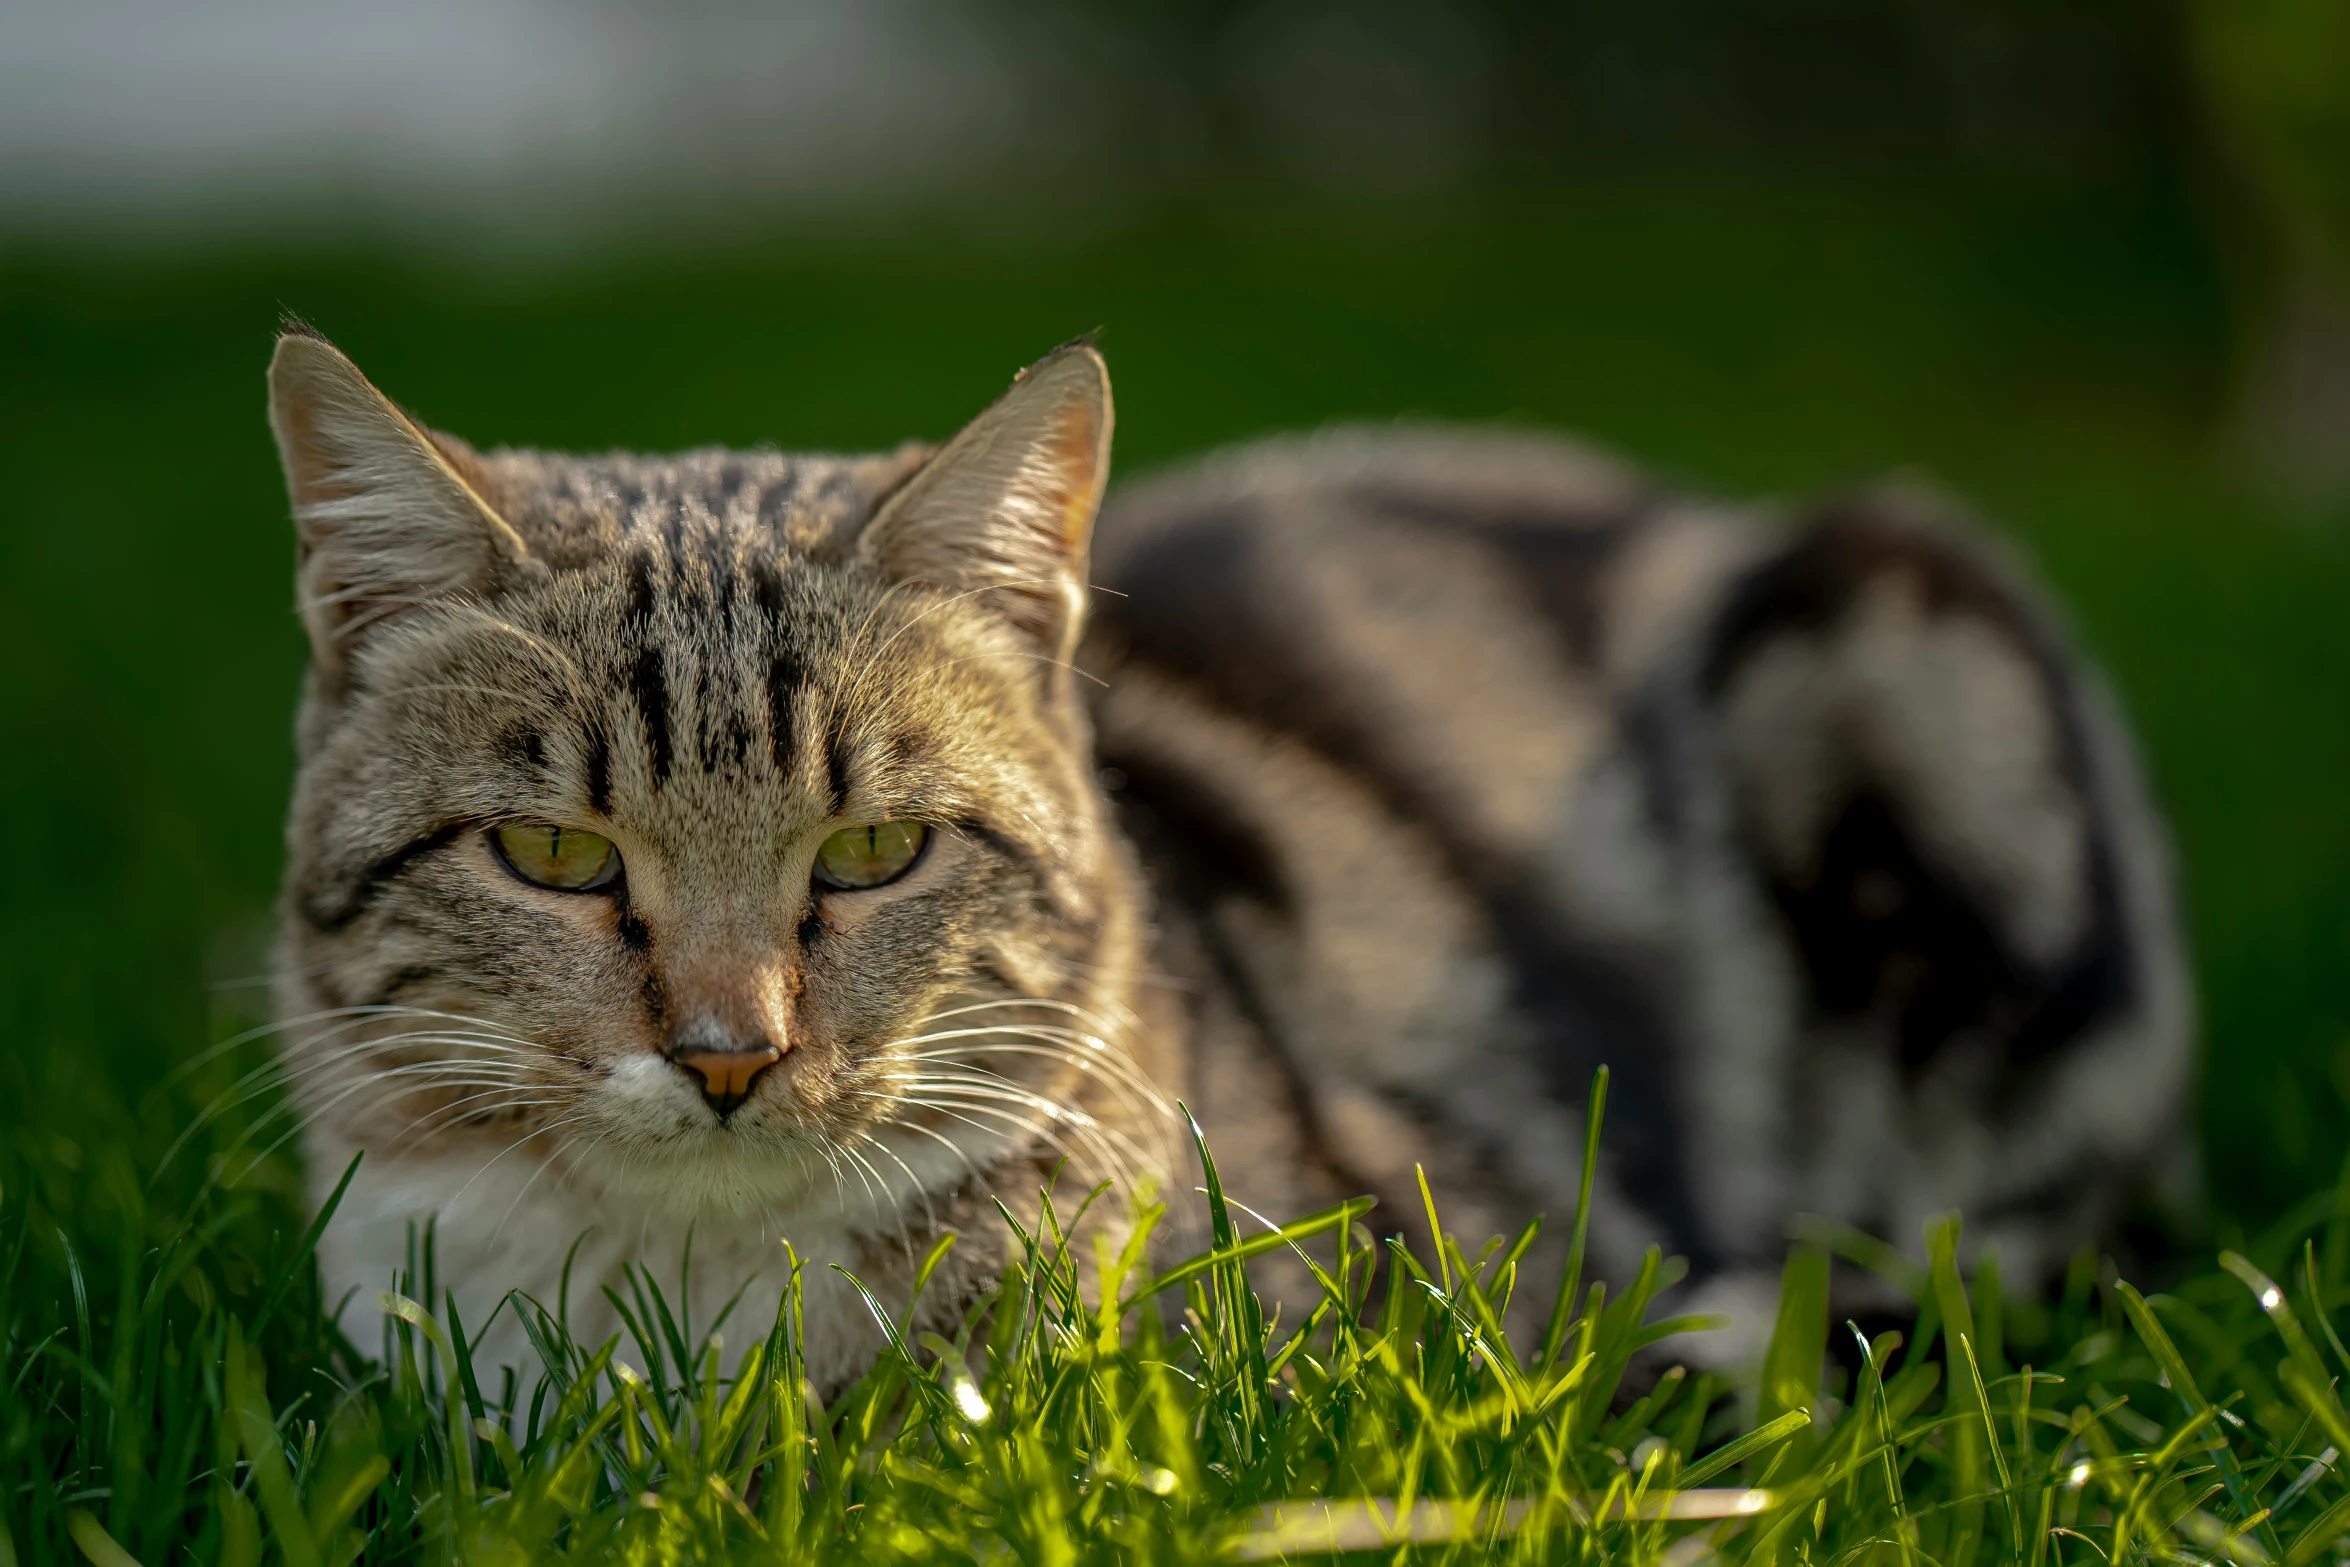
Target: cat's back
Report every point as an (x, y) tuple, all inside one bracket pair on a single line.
[(1355, 687), (1464, 762), (1443, 615)]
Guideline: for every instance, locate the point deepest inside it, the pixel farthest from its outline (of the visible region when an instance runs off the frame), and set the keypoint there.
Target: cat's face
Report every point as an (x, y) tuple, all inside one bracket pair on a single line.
[(719, 829)]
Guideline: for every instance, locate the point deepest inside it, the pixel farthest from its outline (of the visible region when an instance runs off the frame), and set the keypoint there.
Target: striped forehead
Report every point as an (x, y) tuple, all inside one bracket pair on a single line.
[(706, 667)]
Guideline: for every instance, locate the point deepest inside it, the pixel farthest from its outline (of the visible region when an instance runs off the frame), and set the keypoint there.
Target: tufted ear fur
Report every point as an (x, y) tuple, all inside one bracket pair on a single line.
[(384, 515), (1009, 503)]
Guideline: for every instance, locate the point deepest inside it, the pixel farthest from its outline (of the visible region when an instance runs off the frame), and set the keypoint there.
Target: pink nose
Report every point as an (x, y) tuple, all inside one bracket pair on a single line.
[(727, 1075)]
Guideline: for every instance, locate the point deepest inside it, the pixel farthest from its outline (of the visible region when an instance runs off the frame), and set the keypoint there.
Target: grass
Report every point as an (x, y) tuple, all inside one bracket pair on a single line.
[(174, 1401)]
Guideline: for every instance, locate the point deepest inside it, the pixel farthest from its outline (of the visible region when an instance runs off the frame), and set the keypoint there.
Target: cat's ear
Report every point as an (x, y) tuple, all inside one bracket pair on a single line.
[(385, 518), (1006, 508)]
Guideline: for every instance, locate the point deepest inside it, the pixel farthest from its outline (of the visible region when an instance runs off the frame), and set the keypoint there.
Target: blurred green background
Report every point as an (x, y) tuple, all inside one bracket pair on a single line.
[(2066, 300)]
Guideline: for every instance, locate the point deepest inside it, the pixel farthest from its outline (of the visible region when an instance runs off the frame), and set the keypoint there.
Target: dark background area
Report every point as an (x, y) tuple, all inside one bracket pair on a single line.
[(2069, 261)]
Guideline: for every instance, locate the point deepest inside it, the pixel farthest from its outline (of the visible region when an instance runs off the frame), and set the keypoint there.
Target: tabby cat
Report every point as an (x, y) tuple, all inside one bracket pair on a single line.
[(755, 847)]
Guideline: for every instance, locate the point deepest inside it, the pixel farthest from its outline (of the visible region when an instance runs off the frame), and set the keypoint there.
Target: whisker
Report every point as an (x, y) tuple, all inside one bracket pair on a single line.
[(1078, 1048), (432, 1075), (840, 1176), (963, 1111), (457, 1114), (935, 1135), (1131, 1085), (866, 1176), (509, 1148), (544, 1166), (1118, 1150), (905, 1242), (273, 1072), (929, 1213)]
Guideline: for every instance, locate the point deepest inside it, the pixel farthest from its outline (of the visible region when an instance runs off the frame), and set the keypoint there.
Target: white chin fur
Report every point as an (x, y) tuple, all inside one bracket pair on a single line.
[(652, 1140)]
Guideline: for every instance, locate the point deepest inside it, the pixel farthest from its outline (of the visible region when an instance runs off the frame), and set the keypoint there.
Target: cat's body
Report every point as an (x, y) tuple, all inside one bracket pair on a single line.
[(1454, 766), (1810, 828)]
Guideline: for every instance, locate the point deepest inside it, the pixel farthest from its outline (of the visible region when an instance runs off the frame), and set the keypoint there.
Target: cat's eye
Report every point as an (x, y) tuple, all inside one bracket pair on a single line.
[(564, 858), (868, 856)]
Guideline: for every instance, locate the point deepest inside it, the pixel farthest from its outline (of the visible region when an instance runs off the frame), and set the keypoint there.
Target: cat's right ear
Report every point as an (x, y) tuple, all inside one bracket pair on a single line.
[(1006, 509), (384, 518)]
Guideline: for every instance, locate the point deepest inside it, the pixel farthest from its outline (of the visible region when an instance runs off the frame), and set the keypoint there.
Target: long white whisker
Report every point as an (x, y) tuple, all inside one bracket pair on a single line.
[(867, 1176), (1024, 1126), (936, 1136), (544, 1166), (929, 1213), (1117, 1148), (1131, 1084), (1047, 1002), (840, 1177), (275, 1073), (509, 1148), (905, 1242), (304, 1115), (457, 1113), (1086, 1050)]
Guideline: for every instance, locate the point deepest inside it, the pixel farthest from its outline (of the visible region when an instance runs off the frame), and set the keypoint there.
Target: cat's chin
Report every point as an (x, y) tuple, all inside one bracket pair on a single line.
[(720, 1174)]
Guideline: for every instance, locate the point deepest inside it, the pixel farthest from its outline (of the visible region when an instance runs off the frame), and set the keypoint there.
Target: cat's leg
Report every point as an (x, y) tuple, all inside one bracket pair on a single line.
[(1932, 798)]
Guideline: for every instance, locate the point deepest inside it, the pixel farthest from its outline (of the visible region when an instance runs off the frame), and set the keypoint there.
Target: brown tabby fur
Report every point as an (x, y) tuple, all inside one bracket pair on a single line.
[(1457, 763)]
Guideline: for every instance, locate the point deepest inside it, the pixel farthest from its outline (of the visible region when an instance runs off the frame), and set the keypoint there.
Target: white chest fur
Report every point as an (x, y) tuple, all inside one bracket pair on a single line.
[(511, 1226)]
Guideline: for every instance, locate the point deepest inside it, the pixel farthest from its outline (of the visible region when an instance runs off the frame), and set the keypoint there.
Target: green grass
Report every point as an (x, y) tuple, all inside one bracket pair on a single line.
[(210, 1416)]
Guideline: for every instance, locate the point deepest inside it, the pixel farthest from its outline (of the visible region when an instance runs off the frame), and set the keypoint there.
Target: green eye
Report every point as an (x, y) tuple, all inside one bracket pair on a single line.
[(561, 857), (858, 857)]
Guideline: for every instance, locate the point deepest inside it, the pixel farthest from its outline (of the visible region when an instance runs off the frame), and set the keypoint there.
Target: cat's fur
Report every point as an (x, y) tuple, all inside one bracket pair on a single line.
[(1467, 762), (1457, 763)]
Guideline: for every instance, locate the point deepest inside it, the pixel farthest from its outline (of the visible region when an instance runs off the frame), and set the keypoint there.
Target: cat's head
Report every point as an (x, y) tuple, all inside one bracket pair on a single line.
[(720, 827)]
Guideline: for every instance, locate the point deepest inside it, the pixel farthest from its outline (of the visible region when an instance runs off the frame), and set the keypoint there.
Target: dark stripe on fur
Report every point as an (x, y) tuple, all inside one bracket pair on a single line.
[(1589, 1012), (1205, 618), (649, 684), (523, 748), (599, 773), (1397, 1212), (836, 771), (1557, 555), (767, 588), (1199, 858), (1852, 543), (1880, 927), (635, 934), (381, 874), (1176, 817), (783, 680), (402, 979), (641, 596)]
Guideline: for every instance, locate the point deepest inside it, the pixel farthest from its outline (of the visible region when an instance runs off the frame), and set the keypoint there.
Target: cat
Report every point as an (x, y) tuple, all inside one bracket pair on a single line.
[(689, 854)]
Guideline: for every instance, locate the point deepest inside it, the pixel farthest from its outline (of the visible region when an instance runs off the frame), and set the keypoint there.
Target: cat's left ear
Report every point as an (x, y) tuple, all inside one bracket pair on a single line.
[(385, 512), (1006, 508)]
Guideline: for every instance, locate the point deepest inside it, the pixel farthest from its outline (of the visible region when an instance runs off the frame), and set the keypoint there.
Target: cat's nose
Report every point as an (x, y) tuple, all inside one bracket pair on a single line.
[(727, 1074)]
